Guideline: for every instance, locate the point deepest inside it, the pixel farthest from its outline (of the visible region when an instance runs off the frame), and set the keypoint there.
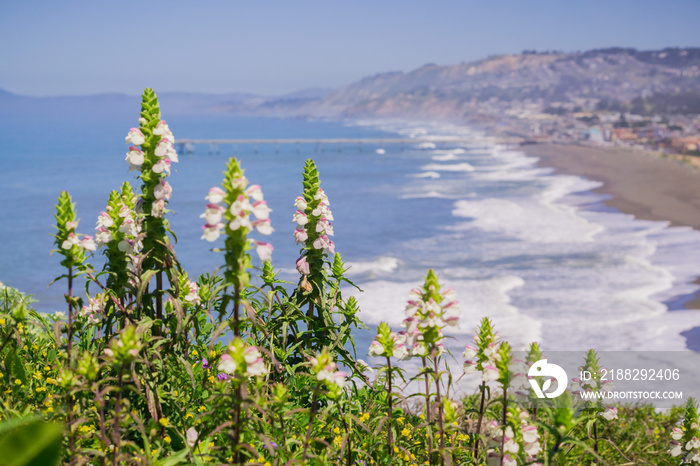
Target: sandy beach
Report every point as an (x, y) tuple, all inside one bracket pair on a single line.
[(639, 183)]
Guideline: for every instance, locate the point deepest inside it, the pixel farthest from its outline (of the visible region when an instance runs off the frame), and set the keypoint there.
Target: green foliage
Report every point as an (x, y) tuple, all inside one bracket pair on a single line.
[(30, 442)]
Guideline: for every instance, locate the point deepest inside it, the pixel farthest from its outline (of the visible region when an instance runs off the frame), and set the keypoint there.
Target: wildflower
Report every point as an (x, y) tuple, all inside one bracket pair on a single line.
[(300, 218), (300, 235), (326, 370), (212, 232), (610, 413), (227, 364), (192, 437), (263, 226), (162, 166), (322, 242), (242, 360), (264, 250), (300, 203), (490, 373), (216, 195), (303, 265), (163, 421), (158, 209), (193, 294), (135, 137), (675, 449), (135, 157), (163, 191)]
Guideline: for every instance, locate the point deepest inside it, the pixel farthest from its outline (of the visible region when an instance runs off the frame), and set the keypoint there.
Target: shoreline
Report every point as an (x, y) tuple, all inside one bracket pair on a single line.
[(638, 183)]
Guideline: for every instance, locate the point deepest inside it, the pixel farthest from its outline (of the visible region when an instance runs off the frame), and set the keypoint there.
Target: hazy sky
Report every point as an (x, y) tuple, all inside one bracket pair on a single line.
[(275, 47)]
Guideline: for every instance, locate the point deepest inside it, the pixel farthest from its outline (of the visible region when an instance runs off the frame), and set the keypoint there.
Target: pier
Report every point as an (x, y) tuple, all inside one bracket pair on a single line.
[(189, 145)]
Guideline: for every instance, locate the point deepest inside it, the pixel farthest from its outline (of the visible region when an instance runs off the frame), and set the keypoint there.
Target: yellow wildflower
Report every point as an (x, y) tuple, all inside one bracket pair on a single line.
[(167, 439), (163, 421), (336, 430), (18, 382), (405, 432), (2, 321)]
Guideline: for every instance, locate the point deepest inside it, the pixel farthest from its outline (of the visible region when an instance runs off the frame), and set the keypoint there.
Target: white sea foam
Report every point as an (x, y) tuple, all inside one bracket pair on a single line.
[(431, 193), (430, 174), (456, 167), (373, 268), (527, 220), (446, 157), (426, 145)]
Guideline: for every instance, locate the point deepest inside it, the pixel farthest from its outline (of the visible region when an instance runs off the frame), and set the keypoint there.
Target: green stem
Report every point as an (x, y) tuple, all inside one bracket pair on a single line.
[(159, 301), (391, 409), (595, 441), (440, 412), (427, 409), (481, 418), (311, 420), (237, 421), (236, 312), (503, 420)]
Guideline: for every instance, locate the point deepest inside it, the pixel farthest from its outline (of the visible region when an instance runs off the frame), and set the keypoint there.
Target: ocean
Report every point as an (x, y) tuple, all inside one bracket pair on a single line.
[(536, 251)]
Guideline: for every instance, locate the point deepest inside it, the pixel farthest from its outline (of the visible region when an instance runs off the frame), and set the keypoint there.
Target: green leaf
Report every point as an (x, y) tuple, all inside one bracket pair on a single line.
[(176, 458), (18, 370), (34, 444)]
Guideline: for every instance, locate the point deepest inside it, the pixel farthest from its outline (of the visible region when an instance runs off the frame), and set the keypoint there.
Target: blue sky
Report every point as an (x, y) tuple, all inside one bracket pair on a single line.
[(275, 47)]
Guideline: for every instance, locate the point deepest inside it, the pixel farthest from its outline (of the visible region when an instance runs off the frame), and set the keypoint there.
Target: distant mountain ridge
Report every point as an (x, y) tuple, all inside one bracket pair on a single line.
[(582, 78), (614, 78)]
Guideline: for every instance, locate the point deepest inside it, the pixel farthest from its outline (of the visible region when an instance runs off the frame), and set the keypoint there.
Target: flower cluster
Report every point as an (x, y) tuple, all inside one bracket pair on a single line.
[(313, 224), (119, 232), (388, 343), (483, 357), (70, 244), (684, 438), (239, 201), (326, 370), (520, 440), (428, 311), (94, 312), (158, 160), (242, 360)]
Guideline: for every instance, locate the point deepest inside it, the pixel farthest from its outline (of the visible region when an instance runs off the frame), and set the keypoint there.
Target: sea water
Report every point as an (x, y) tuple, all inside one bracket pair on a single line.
[(535, 251)]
